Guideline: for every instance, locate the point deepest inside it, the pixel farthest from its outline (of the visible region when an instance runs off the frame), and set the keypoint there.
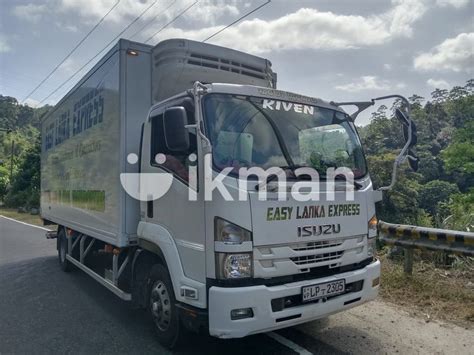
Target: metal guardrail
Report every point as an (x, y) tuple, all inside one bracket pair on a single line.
[(413, 237)]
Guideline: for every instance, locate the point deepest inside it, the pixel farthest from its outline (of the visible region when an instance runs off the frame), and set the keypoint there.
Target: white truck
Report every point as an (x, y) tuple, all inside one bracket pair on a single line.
[(129, 154)]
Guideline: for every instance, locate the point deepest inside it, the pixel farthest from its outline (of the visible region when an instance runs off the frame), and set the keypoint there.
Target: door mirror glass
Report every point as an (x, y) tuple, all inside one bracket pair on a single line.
[(413, 160), (405, 121), (174, 125)]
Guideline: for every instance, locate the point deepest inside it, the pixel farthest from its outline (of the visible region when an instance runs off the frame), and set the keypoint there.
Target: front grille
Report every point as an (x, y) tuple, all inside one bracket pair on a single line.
[(317, 245), (310, 259)]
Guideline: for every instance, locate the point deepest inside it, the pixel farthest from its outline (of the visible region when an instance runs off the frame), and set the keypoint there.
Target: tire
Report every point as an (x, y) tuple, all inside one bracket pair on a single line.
[(162, 307), (62, 251)]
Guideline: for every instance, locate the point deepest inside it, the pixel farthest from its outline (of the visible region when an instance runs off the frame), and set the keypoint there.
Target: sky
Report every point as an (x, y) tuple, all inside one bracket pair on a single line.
[(337, 50)]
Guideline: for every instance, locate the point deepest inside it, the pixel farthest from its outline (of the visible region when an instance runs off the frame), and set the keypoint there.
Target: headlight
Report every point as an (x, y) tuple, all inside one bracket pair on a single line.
[(230, 233), (233, 266)]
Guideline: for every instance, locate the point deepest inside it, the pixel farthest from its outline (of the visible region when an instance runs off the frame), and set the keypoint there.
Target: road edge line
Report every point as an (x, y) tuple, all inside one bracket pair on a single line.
[(288, 343), (26, 224)]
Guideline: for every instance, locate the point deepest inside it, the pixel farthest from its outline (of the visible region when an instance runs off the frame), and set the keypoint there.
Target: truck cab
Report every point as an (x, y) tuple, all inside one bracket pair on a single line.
[(259, 264)]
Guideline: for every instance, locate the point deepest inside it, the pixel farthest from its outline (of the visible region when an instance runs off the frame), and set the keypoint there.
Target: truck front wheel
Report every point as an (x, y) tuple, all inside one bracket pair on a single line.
[(162, 306)]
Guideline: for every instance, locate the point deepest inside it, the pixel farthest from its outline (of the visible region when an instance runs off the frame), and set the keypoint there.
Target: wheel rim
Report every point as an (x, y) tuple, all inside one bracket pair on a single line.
[(62, 251), (160, 305)]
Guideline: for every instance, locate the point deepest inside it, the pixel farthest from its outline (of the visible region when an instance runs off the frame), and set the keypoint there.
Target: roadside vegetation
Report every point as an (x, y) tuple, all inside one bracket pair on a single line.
[(440, 194), (434, 291), (21, 216)]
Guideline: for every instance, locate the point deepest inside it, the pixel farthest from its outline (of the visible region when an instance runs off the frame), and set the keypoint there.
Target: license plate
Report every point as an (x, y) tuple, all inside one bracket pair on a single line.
[(327, 289)]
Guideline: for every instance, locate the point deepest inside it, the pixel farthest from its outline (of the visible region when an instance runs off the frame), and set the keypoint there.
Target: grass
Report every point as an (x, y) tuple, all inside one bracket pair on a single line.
[(431, 292), (24, 217)]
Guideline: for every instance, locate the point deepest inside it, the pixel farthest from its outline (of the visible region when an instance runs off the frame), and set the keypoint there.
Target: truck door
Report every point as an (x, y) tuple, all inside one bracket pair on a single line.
[(183, 219)]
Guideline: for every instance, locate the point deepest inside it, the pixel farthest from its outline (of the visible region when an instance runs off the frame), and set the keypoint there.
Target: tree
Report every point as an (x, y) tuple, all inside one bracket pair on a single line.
[(439, 96), (8, 111), (25, 189), (416, 101), (4, 181), (434, 192), (459, 155)]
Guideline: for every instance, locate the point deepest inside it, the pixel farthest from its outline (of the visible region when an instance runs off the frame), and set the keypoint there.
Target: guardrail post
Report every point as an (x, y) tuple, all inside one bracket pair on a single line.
[(408, 265)]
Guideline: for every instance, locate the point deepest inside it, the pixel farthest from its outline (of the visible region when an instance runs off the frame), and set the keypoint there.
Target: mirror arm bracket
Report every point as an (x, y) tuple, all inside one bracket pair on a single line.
[(361, 106)]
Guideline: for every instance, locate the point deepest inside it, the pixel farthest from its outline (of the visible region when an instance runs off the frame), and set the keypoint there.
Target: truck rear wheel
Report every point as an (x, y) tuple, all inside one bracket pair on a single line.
[(62, 251), (162, 306)]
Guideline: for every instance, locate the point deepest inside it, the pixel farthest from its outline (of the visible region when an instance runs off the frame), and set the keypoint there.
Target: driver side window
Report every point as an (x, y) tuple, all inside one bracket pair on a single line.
[(177, 163)]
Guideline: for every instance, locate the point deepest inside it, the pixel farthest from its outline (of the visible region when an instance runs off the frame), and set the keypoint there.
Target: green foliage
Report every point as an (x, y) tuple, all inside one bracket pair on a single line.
[(20, 146), (434, 192), (459, 156), (446, 150), (25, 188), (461, 212), (4, 181)]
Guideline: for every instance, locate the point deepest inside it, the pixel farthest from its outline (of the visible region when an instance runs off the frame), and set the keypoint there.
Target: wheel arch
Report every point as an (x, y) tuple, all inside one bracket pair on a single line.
[(156, 244)]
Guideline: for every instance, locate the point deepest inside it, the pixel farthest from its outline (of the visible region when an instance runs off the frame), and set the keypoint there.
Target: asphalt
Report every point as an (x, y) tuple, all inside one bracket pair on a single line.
[(44, 310)]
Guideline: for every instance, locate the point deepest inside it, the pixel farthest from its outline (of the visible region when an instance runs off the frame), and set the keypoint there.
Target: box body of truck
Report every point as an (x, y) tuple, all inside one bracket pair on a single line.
[(87, 138), (90, 133)]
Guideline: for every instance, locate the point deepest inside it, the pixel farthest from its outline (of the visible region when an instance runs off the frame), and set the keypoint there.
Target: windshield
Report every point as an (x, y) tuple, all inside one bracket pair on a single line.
[(251, 131)]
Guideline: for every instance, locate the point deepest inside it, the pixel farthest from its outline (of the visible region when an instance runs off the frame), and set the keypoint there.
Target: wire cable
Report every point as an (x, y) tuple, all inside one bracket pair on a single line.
[(173, 20), (71, 52), (236, 21), (153, 19), (108, 44)]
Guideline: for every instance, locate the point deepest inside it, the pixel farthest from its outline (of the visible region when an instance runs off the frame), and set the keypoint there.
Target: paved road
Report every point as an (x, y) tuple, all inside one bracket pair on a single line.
[(43, 310)]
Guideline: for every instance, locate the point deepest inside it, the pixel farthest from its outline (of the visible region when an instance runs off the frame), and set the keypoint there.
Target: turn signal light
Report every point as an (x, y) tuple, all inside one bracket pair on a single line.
[(373, 222)]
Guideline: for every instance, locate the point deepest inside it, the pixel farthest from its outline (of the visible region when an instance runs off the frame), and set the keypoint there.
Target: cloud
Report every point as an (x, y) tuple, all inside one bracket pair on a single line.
[(309, 28), (209, 11), (31, 102), (366, 83), (455, 3), (387, 66), (438, 84), (30, 12), (403, 15), (69, 66), (4, 46), (206, 11), (455, 54)]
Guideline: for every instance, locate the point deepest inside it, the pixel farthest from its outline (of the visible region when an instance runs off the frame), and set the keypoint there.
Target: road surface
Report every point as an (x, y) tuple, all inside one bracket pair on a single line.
[(43, 310)]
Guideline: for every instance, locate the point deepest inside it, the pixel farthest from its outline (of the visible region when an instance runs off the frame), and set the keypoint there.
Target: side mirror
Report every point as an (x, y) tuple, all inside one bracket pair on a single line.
[(175, 120), (413, 160), (405, 121)]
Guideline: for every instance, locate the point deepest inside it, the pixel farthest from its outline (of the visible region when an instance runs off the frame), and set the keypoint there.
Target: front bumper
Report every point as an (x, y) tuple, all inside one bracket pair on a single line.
[(223, 300)]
